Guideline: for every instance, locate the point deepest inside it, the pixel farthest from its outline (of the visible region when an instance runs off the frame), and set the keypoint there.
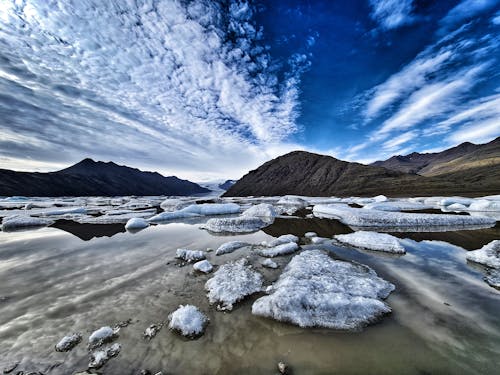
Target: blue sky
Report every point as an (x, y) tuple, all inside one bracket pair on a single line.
[(205, 89)]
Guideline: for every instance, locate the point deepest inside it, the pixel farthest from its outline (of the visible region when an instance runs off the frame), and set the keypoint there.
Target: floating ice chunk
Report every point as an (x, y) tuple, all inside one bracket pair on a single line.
[(174, 204), (62, 211), (68, 342), (188, 320), (116, 218), (372, 241), (380, 198), (14, 222), (241, 224), (268, 263), (484, 205), (203, 266), (359, 217), (488, 255), (229, 247), (190, 255), (136, 223), (492, 278), (102, 336), (310, 235), (285, 238), (283, 249), (262, 210), (315, 290), (101, 357), (456, 207), (166, 216), (318, 240), (396, 206), (292, 200), (206, 209), (231, 283), (452, 200)]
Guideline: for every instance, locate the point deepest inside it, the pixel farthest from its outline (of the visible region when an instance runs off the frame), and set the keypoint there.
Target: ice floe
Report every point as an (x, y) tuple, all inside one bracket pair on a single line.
[(67, 343), (455, 200), (283, 249), (207, 209), (285, 238), (189, 255), (488, 255), (175, 215), (240, 224), (372, 241), (203, 266), (360, 217), (396, 206), (14, 222), (229, 247), (136, 223), (102, 336), (188, 320), (174, 204), (262, 210), (231, 283), (100, 357), (315, 290), (484, 205)]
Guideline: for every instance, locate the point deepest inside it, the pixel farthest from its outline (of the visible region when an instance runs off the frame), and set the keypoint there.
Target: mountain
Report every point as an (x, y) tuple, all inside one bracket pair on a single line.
[(227, 184), (305, 173), (93, 178), (463, 157)]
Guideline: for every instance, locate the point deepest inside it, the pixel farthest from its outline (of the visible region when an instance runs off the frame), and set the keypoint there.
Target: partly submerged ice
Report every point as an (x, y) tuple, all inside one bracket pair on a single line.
[(241, 224), (101, 357), (101, 336), (229, 247), (188, 320), (203, 266), (232, 282), (359, 218), (262, 210), (136, 223), (67, 343), (189, 255), (488, 255), (315, 290), (15, 222), (372, 241), (282, 249)]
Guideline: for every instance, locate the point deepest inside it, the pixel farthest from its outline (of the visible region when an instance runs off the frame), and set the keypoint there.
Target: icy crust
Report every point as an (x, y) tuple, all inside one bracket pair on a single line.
[(315, 290), (283, 249), (262, 210), (188, 320), (360, 217), (229, 247), (101, 357), (372, 241), (231, 283), (14, 222), (136, 223), (189, 255), (67, 343), (203, 266), (241, 224), (488, 255)]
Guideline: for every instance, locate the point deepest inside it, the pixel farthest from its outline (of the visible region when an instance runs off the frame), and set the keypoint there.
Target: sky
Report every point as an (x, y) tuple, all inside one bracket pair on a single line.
[(206, 89)]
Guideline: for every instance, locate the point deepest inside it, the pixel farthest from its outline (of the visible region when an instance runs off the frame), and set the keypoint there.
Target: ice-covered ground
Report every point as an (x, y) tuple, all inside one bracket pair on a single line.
[(315, 290)]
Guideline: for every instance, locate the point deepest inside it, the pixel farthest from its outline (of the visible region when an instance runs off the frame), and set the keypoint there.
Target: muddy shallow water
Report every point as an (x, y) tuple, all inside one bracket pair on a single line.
[(55, 281)]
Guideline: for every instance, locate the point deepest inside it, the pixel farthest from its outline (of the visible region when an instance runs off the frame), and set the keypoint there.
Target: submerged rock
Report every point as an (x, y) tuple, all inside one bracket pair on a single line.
[(232, 282), (241, 224), (315, 290), (372, 241), (101, 357), (188, 320), (67, 343)]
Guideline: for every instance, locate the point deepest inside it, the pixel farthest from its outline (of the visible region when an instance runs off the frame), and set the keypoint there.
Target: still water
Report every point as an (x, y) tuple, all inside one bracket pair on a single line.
[(55, 281)]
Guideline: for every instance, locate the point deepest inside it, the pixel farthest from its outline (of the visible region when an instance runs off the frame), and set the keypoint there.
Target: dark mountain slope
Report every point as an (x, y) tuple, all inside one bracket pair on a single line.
[(304, 173), (89, 177)]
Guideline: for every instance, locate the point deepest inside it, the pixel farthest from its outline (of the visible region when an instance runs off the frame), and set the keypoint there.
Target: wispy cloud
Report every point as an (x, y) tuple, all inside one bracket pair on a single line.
[(164, 84), (396, 142), (391, 14), (464, 11), (479, 132)]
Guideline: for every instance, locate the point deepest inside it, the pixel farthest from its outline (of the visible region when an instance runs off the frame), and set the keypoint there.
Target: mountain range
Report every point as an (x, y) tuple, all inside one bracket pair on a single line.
[(467, 169), (94, 178)]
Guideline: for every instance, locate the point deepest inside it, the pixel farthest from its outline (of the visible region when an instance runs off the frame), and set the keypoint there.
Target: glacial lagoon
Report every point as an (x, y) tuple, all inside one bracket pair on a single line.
[(79, 274)]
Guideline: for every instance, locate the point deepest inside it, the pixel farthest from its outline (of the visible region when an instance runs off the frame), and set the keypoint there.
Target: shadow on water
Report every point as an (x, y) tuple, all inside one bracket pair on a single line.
[(86, 232), (322, 227), (467, 239)]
